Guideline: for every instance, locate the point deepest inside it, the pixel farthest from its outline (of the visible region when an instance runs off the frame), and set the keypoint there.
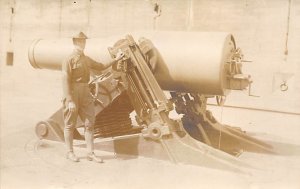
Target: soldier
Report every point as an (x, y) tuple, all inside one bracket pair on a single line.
[(77, 97)]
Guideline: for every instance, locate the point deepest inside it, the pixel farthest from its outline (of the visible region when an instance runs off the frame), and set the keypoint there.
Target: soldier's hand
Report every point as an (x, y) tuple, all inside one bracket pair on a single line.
[(71, 106), (119, 55)]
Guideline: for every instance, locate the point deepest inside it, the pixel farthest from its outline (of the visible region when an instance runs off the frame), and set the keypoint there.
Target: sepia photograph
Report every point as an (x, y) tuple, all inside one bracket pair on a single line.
[(149, 94)]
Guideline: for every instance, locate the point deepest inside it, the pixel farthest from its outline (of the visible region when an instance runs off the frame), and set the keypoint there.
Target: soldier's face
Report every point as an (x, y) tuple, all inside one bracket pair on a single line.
[(80, 43)]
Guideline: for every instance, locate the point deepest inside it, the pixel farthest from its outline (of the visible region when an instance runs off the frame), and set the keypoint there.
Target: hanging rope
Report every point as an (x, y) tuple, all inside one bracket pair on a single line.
[(60, 17), (287, 31), (12, 14)]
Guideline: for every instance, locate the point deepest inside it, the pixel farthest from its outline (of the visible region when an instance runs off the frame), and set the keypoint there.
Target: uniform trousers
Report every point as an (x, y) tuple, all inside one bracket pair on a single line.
[(85, 110)]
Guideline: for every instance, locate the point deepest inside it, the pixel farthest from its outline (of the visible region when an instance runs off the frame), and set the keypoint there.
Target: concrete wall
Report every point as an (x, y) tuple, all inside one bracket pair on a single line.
[(259, 26)]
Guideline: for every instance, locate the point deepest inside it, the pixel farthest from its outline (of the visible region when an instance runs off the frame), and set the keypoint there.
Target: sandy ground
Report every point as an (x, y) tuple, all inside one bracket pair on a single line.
[(27, 162), (28, 96)]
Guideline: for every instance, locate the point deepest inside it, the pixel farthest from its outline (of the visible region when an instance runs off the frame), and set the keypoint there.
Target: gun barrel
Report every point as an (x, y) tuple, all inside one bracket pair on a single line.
[(190, 61)]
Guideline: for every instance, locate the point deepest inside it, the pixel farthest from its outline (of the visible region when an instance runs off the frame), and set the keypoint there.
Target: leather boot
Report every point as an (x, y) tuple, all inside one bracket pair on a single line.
[(71, 156), (68, 135), (89, 139), (93, 157)]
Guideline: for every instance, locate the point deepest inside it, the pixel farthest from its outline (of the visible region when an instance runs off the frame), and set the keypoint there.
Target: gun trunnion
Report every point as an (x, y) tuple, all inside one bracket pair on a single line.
[(191, 66)]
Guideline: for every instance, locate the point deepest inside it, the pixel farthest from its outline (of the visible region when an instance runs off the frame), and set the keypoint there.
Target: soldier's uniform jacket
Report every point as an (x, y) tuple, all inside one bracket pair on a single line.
[(76, 70)]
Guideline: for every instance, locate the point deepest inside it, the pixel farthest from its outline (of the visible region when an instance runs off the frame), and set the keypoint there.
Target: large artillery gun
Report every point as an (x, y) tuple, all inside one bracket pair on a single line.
[(162, 72)]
